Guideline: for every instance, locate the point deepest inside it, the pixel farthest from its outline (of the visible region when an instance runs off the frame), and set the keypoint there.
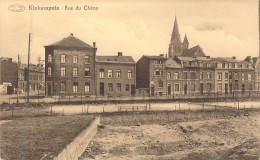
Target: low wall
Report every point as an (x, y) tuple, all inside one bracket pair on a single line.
[(74, 150)]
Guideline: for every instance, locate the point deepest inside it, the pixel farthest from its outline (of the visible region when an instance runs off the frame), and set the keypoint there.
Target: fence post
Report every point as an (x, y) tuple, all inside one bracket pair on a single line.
[(179, 105), (81, 96), (69, 97), (51, 110), (87, 109), (12, 111), (103, 109), (9, 98)]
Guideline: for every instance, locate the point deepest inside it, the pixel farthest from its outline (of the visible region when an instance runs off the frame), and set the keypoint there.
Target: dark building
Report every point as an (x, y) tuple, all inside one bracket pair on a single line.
[(70, 68), (150, 74), (8, 72), (115, 75)]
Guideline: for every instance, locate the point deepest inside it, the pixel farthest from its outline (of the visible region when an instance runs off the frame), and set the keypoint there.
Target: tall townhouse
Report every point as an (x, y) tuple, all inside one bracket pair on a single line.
[(70, 68), (115, 75), (150, 73)]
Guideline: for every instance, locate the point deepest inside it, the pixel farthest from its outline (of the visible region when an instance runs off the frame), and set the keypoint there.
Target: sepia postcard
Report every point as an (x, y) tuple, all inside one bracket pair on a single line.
[(129, 80)]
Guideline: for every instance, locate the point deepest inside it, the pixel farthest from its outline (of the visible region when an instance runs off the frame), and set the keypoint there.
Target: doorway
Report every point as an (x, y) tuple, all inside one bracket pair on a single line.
[(152, 90), (169, 89), (101, 89), (49, 89)]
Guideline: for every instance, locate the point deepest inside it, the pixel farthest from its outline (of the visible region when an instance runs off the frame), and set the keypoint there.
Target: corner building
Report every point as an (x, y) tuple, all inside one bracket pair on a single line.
[(70, 68)]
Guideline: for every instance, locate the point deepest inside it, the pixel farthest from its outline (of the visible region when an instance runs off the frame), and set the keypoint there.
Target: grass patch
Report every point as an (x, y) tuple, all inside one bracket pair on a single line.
[(164, 117), (46, 136)]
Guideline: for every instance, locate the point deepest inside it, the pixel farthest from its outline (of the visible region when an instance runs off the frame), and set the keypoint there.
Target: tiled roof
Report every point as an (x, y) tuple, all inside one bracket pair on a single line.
[(71, 41), (186, 58), (193, 52), (115, 59), (155, 57), (170, 63)]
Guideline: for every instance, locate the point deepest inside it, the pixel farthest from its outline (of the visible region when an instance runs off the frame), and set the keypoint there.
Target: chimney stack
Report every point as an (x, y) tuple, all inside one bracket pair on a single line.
[(234, 57), (71, 34), (120, 54), (161, 55), (94, 44)]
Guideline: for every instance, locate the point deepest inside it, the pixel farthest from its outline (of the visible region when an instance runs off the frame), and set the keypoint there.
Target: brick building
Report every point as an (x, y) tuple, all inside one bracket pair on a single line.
[(70, 68), (188, 71), (115, 75)]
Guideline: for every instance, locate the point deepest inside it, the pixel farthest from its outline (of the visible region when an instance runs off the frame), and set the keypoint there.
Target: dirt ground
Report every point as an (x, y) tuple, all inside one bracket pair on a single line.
[(233, 138)]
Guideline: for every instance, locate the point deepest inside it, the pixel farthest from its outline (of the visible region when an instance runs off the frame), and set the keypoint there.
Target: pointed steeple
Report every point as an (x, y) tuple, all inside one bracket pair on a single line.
[(185, 39), (175, 32)]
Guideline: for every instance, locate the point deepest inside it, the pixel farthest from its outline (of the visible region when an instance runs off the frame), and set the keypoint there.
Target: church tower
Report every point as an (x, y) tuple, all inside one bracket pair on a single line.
[(185, 43), (175, 46)]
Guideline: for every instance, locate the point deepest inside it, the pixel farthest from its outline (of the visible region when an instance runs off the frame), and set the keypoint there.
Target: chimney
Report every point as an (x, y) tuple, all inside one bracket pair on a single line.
[(161, 55), (94, 44), (234, 57), (10, 59), (120, 54), (71, 34), (166, 55)]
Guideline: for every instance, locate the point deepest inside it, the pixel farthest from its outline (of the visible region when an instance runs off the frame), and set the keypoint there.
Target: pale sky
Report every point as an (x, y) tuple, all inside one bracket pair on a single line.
[(142, 27)]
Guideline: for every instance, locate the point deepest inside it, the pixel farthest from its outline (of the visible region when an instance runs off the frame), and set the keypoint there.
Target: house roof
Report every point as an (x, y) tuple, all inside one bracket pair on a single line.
[(155, 57), (170, 63), (193, 52), (186, 58), (115, 59), (71, 41)]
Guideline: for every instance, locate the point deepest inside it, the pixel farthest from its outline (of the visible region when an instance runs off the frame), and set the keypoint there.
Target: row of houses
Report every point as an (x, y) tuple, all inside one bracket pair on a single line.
[(73, 68), (14, 76)]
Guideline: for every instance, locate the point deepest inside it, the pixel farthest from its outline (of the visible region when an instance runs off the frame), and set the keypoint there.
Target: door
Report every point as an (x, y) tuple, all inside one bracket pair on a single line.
[(226, 88), (132, 89), (230, 88), (169, 89), (101, 88), (201, 88), (185, 89), (152, 90), (243, 88), (49, 89)]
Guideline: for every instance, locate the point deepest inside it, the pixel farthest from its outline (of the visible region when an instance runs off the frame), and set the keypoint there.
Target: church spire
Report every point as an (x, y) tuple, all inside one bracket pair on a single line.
[(175, 31), (185, 43)]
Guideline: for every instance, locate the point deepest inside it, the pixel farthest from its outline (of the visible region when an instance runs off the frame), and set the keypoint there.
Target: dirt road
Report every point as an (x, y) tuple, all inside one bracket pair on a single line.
[(233, 138)]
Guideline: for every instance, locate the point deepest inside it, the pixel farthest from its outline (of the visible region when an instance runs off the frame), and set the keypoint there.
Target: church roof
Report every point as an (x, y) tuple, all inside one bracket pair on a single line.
[(195, 51), (71, 41)]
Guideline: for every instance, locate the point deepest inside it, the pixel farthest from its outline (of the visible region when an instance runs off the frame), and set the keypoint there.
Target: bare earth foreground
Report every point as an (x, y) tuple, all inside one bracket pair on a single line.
[(233, 138)]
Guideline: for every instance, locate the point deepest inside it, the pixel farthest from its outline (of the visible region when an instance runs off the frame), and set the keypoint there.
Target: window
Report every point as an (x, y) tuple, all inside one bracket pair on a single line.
[(118, 73), (177, 87), (118, 86), (110, 73), (223, 65), (62, 71), (101, 73), (87, 59), (87, 87), (243, 76), (63, 58), (75, 72), (226, 76), (209, 75), (160, 83), (127, 88), (219, 87), (219, 76), (169, 76), (158, 72), (209, 86), (75, 59), (49, 71), (176, 75), (185, 75), (129, 74), (63, 87), (249, 77), (110, 87), (49, 58), (201, 75), (75, 87), (87, 72), (157, 61)]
